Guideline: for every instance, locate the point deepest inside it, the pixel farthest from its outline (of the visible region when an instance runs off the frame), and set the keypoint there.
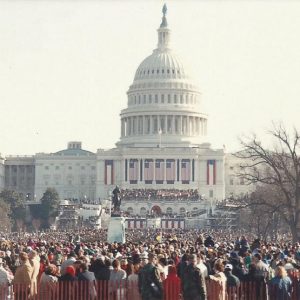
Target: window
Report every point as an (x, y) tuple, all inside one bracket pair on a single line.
[(56, 167), (175, 98), (156, 98), (162, 97), (169, 210), (93, 167), (231, 181), (231, 167), (46, 167), (211, 193), (169, 98), (150, 98), (70, 167), (69, 182), (82, 167)]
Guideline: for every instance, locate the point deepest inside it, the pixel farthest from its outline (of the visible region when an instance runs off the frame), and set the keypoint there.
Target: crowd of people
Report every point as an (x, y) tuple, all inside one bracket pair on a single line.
[(156, 264), (163, 194)]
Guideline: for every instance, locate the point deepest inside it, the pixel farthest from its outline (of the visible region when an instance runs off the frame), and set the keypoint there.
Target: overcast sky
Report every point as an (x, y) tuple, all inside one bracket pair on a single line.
[(65, 67)]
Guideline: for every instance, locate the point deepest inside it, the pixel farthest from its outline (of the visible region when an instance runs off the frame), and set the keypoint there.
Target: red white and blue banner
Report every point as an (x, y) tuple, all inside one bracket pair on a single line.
[(148, 169), (185, 170), (136, 223), (133, 170), (211, 172), (109, 172), (159, 169), (170, 170)]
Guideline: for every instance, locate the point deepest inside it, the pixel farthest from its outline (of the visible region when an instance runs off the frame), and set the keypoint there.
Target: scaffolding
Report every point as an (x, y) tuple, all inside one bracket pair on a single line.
[(224, 216)]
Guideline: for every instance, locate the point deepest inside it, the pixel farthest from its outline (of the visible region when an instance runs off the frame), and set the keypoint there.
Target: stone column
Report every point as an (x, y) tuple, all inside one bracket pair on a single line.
[(173, 125), (144, 125), (166, 124), (180, 125), (151, 125)]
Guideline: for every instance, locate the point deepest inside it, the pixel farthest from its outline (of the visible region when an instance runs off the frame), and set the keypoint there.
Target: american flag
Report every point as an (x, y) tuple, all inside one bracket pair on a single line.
[(170, 169), (159, 169), (148, 169), (185, 170), (109, 172), (211, 172), (133, 169)]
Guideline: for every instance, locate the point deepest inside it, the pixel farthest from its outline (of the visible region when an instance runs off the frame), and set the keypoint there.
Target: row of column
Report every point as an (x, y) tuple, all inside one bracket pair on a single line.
[(167, 124), (177, 168)]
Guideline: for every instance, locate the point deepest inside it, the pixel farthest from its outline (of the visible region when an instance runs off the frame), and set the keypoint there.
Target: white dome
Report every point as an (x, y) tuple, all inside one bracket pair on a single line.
[(161, 64), (164, 104)]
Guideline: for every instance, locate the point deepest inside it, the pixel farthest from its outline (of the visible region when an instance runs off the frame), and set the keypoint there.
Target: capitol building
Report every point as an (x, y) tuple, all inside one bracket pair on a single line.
[(163, 146)]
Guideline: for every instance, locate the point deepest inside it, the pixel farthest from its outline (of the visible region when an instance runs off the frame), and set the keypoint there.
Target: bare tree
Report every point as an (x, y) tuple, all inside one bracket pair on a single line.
[(276, 174)]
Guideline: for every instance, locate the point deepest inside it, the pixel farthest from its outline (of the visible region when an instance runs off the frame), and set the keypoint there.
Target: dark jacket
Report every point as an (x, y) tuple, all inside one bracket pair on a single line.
[(193, 283)]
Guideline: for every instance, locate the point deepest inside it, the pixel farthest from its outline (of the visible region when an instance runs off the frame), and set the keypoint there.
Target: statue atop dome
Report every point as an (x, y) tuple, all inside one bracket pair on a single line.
[(164, 22), (164, 9)]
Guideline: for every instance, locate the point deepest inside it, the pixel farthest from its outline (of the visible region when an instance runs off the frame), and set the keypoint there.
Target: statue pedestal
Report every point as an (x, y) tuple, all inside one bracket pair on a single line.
[(116, 230)]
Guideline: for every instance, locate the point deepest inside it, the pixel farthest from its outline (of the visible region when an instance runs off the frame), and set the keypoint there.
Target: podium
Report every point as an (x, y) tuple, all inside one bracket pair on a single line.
[(116, 230)]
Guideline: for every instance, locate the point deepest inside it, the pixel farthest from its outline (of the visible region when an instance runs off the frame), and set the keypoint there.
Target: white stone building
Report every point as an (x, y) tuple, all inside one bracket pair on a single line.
[(20, 175), (163, 134), (72, 172)]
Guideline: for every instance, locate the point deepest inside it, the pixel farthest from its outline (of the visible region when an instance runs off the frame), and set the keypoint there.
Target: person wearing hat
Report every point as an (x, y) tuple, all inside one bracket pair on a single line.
[(194, 287), (232, 280), (150, 284)]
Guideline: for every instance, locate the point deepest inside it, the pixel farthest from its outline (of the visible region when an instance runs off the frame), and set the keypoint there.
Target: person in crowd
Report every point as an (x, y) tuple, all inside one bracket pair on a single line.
[(48, 281), (232, 281), (117, 280), (172, 285), (220, 280), (194, 287), (281, 285), (201, 265), (132, 283), (150, 284), (6, 278), (86, 281), (23, 277), (67, 283), (70, 261), (100, 269), (34, 260)]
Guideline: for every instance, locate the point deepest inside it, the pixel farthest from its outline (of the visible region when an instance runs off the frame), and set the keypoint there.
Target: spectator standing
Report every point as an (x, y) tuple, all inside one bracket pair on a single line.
[(48, 283), (280, 285), (117, 280), (70, 261), (194, 287), (23, 277), (34, 260), (87, 288), (220, 280), (150, 285), (5, 279)]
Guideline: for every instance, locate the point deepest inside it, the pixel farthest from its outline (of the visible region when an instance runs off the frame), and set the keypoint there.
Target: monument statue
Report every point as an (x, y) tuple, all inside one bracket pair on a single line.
[(116, 226), (116, 200)]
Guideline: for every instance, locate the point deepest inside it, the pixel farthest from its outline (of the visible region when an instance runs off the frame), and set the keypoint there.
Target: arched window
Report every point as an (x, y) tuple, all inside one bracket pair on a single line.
[(143, 211), (182, 210), (169, 211), (130, 210)]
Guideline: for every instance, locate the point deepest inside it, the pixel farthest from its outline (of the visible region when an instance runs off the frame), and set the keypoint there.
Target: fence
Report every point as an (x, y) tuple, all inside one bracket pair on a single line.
[(128, 290)]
